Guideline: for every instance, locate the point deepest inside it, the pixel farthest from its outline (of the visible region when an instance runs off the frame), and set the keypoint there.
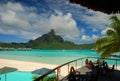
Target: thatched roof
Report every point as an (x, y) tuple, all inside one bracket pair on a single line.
[(106, 6)]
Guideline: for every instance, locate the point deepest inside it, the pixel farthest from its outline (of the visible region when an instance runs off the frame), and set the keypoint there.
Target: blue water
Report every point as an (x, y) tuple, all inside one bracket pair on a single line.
[(47, 56), (43, 56), (17, 76)]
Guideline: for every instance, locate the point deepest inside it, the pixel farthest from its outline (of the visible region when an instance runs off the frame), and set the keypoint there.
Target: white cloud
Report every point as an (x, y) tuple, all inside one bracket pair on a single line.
[(96, 20), (88, 39), (24, 22), (32, 15), (14, 6), (10, 18), (94, 30), (85, 38), (94, 37), (29, 35), (65, 25), (14, 19), (31, 22)]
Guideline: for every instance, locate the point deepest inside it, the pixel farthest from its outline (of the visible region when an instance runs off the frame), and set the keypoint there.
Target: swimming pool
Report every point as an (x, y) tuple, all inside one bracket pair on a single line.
[(22, 76), (17, 76)]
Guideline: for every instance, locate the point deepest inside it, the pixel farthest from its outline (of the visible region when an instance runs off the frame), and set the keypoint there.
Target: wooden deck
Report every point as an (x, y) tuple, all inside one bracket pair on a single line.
[(86, 74)]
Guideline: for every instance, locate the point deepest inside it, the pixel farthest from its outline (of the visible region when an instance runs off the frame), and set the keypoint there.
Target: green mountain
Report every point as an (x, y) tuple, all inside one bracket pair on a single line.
[(48, 41), (47, 38), (53, 41)]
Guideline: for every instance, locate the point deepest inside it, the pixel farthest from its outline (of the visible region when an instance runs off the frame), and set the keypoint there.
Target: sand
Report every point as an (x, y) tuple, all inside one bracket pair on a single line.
[(26, 66)]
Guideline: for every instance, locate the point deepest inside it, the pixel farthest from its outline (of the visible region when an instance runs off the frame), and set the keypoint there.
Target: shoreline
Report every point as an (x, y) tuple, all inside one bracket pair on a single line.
[(25, 65)]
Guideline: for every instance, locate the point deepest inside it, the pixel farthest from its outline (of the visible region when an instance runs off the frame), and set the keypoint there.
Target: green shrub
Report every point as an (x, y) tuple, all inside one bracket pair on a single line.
[(47, 78)]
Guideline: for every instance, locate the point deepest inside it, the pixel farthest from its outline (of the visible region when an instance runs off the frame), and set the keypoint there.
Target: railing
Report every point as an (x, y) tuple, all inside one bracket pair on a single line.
[(76, 61)]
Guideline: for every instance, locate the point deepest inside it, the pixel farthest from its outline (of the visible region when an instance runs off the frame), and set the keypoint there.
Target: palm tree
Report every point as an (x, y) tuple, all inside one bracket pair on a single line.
[(111, 43)]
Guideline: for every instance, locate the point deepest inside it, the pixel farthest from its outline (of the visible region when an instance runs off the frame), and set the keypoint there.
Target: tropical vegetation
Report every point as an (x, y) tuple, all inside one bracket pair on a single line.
[(47, 78), (110, 44), (47, 41)]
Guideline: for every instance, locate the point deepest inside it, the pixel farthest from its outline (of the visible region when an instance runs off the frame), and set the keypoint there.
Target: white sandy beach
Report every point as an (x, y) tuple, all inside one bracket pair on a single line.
[(26, 66)]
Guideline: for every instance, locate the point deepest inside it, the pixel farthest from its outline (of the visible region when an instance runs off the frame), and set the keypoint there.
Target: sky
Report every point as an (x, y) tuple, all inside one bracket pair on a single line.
[(24, 20)]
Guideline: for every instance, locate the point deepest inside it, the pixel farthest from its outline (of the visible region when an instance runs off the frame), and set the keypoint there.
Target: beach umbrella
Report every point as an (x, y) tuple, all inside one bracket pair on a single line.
[(41, 71), (5, 70)]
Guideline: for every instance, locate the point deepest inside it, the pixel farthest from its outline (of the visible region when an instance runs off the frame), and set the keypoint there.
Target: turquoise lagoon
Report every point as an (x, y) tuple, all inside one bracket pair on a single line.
[(47, 56), (42, 56)]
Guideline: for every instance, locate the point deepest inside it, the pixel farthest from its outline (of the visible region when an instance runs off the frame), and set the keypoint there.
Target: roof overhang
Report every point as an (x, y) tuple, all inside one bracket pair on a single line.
[(106, 6)]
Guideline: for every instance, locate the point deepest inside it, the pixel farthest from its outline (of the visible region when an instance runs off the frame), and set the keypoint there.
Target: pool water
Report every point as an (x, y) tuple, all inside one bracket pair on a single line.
[(17, 76)]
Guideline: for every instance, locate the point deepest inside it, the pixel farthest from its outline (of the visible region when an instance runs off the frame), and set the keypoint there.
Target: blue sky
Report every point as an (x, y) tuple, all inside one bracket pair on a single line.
[(22, 20)]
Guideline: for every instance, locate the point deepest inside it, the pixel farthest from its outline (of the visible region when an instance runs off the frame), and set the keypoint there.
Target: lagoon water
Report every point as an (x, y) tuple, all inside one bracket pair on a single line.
[(47, 56), (43, 56)]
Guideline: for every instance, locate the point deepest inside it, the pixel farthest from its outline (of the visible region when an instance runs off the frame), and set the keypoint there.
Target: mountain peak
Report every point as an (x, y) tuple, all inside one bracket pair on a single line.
[(52, 32), (48, 38)]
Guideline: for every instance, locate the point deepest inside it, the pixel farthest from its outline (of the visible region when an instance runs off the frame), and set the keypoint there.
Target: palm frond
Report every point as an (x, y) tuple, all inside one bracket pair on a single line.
[(114, 19), (109, 50), (105, 45), (104, 41), (110, 32), (115, 24), (99, 42), (103, 48), (111, 43)]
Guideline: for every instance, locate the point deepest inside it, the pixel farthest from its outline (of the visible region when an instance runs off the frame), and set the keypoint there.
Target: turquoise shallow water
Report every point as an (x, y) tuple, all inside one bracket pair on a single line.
[(47, 56), (17, 76)]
